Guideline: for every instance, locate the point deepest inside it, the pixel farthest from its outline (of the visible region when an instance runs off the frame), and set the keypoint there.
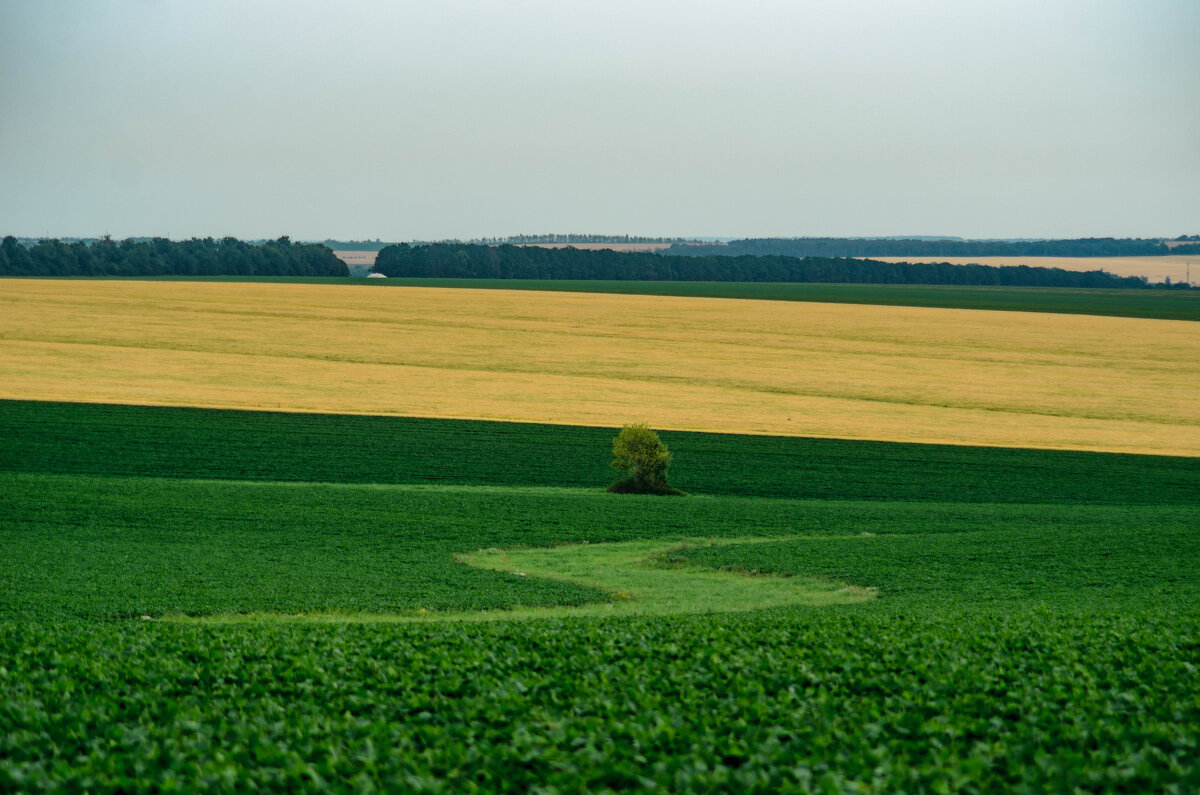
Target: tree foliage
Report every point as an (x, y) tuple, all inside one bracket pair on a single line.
[(639, 452), (469, 261), (161, 257)]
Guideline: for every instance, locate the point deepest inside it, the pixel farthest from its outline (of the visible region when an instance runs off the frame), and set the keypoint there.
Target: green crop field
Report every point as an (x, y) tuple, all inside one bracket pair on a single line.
[(753, 702), (81, 439), (140, 546), (232, 601)]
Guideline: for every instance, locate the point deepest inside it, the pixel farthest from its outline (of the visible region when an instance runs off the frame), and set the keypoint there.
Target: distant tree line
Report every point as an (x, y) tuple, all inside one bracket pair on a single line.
[(575, 238), (161, 257), (467, 261), (848, 247)]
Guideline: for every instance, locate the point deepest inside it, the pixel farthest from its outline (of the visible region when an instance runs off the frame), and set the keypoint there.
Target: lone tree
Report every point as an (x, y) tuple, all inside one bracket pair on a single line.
[(638, 451)]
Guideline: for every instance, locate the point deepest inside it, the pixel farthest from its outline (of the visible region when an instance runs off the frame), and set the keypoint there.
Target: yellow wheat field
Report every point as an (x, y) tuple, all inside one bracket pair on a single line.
[(764, 367)]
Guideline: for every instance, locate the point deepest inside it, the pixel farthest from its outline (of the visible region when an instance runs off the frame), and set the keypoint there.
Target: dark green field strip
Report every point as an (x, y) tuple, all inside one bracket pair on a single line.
[(1154, 558), (126, 547), (242, 445), (758, 702)]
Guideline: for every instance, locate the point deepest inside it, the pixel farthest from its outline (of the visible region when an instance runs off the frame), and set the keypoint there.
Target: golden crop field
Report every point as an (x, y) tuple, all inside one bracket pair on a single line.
[(1155, 269), (763, 367)]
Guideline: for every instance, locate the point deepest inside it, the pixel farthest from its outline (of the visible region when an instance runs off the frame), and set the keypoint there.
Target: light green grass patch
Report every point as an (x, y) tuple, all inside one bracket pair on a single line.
[(641, 578), (642, 581)]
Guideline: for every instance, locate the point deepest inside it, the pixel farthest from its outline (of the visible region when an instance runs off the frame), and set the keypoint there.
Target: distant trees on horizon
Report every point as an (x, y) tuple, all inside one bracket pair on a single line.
[(574, 237), (161, 257), (727, 263), (468, 261), (889, 247)]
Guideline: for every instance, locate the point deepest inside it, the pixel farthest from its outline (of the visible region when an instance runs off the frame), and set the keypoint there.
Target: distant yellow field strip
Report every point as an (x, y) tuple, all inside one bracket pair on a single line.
[(765, 367), (1174, 266)]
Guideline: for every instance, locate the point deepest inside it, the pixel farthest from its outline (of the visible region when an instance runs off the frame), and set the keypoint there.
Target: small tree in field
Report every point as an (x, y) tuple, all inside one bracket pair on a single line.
[(638, 451)]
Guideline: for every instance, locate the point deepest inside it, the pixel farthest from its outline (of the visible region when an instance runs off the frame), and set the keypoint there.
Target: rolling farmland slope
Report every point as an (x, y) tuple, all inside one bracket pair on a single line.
[(794, 369), (294, 600), (150, 637)]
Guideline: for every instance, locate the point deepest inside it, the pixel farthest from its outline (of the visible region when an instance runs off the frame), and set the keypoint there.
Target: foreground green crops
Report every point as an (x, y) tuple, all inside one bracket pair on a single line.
[(1036, 626), (764, 702)]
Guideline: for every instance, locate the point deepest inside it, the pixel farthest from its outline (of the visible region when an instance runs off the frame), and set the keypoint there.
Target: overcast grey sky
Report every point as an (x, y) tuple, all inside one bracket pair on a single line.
[(447, 118)]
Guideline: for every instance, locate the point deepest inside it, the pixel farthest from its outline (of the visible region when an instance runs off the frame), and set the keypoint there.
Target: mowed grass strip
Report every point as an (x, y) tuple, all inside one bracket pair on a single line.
[(151, 441), (760, 367), (638, 578)]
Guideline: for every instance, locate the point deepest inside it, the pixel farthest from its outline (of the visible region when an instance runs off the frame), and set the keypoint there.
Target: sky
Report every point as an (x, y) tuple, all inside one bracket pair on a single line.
[(451, 119)]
